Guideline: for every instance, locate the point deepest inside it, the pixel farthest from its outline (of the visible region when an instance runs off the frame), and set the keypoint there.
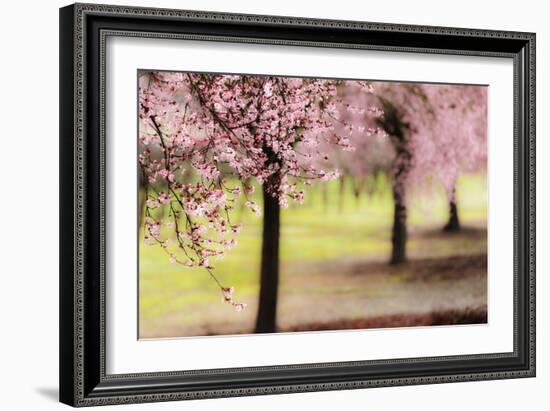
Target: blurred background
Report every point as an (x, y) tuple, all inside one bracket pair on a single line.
[(334, 265)]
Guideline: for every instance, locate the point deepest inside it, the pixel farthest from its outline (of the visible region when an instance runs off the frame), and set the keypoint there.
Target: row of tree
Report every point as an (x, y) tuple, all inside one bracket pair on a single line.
[(285, 133), (432, 133)]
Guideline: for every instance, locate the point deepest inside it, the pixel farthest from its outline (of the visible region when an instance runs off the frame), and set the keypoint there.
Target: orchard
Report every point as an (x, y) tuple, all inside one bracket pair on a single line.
[(207, 142)]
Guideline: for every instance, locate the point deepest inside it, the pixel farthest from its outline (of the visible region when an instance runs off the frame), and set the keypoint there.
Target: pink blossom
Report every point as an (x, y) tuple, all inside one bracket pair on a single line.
[(258, 129), (239, 306), (152, 203), (163, 198), (227, 293), (253, 207), (444, 132)]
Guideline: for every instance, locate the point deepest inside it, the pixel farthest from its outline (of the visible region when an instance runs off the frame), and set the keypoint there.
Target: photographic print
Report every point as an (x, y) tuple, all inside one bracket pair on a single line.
[(241, 196), (285, 204)]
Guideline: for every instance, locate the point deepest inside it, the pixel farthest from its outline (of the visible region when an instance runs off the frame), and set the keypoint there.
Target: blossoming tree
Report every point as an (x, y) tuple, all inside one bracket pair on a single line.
[(435, 132), (230, 128), (460, 135)]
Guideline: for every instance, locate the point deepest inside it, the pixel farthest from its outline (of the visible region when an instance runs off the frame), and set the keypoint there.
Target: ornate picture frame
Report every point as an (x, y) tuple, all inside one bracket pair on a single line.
[(84, 30)]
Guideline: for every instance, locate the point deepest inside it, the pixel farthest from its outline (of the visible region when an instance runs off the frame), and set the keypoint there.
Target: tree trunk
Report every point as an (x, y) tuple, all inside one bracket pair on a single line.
[(269, 275), (341, 193), (392, 123), (399, 230), (453, 224), (357, 185)]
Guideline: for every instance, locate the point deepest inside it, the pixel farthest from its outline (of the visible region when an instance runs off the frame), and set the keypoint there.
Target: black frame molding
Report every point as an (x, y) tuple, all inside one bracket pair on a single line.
[(83, 31)]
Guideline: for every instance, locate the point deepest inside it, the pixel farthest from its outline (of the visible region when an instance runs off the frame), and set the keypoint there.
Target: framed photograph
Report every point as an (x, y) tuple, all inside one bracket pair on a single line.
[(260, 205)]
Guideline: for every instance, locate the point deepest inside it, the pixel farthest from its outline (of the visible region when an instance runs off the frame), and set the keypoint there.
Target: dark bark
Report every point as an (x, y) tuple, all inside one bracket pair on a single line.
[(393, 125), (399, 229), (357, 185), (453, 224), (269, 274)]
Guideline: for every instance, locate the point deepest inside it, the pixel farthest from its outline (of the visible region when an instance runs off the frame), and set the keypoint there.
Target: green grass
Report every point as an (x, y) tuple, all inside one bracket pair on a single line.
[(328, 226)]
